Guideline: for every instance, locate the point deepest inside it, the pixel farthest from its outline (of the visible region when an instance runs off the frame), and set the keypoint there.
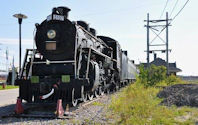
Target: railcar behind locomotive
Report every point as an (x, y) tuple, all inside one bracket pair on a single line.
[(71, 62)]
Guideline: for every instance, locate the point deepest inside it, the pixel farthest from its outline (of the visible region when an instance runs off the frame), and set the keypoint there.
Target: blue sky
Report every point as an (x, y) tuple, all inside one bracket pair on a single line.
[(122, 20)]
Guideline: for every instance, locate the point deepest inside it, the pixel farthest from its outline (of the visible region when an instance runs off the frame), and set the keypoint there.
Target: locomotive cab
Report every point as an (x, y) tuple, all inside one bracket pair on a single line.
[(116, 49)]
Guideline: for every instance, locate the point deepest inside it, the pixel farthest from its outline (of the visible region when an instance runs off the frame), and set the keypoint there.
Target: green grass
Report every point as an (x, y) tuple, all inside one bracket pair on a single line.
[(138, 105), (97, 104), (8, 87), (1, 80)]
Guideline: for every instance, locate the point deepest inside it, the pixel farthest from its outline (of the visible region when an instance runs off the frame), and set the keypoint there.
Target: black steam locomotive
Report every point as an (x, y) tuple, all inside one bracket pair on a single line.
[(72, 63)]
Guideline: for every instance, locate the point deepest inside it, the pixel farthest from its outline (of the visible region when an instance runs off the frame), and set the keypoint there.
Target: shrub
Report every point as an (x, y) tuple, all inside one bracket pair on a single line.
[(172, 79), (156, 75), (152, 75)]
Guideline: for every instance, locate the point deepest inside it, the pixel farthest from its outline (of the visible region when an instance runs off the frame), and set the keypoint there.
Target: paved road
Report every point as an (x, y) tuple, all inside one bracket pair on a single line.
[(8, 96)]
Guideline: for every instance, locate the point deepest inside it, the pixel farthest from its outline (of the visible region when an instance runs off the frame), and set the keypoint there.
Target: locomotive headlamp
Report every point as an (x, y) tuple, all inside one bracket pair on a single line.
[(51, 34)]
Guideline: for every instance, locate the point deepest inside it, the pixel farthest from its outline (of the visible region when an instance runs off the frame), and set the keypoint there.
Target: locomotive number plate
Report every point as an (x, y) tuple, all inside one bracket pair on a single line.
[(50, 45), (55, 17)]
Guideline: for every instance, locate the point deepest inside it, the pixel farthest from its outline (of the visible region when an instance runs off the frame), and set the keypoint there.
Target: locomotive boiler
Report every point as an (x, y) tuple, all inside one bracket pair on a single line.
[(70, 62)]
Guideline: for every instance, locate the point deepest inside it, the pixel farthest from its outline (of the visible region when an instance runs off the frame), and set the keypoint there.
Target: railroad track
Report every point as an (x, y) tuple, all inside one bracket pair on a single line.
[(85, 113), (48, 111)]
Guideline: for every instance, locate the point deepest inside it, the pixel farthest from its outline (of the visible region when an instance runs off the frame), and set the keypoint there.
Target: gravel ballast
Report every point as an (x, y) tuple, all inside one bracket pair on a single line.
[(91, 113), (180, 95)]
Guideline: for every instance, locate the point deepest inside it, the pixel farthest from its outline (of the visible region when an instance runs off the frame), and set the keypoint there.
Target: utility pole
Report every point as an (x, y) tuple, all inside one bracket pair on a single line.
[(151, 26), (148, 61), (13, 71), (7, 56), (167, 52)]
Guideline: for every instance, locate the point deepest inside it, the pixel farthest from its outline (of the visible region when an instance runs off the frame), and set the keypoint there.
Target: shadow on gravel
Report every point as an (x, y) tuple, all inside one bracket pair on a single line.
[(19, 121), (44, 111), (4, 110), (180, 95)]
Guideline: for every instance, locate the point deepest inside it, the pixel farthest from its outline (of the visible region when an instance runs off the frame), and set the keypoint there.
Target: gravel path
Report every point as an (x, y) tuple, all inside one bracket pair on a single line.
[(86, 113)]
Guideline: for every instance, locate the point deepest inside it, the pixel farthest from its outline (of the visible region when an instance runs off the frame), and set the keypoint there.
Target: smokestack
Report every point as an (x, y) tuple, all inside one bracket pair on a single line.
[(155, 56), (133, 61), (62, 11), (125, 52)]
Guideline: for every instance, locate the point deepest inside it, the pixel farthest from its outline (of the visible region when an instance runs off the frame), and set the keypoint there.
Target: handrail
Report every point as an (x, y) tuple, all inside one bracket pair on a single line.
[(42, 62), (93, 36)]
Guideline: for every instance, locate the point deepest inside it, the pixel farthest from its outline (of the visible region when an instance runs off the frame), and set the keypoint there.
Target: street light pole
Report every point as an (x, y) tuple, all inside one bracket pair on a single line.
[(20, 22), (20, 18)]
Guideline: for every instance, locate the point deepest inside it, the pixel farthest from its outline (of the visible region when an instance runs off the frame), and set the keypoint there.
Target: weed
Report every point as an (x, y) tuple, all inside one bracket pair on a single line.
[(139, 105), (97, 104)]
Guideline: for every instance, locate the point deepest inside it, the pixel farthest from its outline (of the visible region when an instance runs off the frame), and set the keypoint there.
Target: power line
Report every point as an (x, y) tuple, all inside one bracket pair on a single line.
[(174, 8), (181, 10), (173, 18), (164, 9)]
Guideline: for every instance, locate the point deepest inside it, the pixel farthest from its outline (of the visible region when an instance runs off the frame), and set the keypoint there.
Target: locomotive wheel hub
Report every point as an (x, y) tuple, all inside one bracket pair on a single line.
[(83, 94), (74, 101), (90, 96)]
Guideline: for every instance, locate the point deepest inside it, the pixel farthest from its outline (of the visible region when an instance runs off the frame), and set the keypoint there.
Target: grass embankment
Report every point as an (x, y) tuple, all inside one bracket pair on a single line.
[(8, 87), (1, 80), (139, 105)]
